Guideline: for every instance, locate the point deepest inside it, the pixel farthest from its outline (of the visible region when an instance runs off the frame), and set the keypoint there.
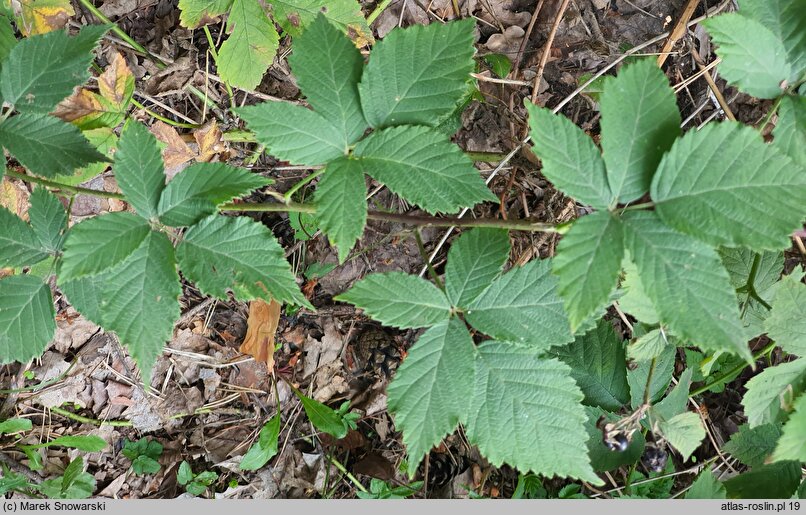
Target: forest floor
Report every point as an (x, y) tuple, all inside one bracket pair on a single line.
[(208, 401)]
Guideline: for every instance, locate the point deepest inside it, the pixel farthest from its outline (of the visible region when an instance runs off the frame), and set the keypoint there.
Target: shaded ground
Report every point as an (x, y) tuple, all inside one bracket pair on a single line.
[(208, 401)]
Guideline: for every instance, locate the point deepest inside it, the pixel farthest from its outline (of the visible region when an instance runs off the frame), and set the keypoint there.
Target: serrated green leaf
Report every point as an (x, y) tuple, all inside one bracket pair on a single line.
[(635, 300), (753, 58), (752, 199), (42, 70), (792, 444), (706, 487), (86, 294), (15, 425), (739, 264), (399, 300), (328, 67), (474, 260), (526, 412), (223, 253), (195, 13), (661, 378), (417, 75), (640, 121), (648, 346), (293, 15), (341, 205), (571, 160), (603, 458), (48, 219), (752, 446), (587, 265), (98, 244), (786, 324), (26, 318), (264, 448), (765, 391), (522, 306), (46, 145), (140, 300), (105, 141), (598, 366), (294, 133), (196, 191), (323, 418), (430, 391), (424, 167), (19, 244), (675, 401), (684, 432), (773, 481), (787, 20), (687, 284), (790, 131), (252, 44), (138, 169)]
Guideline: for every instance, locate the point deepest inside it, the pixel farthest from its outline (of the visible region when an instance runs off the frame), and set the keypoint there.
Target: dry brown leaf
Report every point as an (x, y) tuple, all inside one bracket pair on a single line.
[(211, 142), (41, 16), (14, 197), (176, 150), (80, 104), (261, 327), (115, 80)]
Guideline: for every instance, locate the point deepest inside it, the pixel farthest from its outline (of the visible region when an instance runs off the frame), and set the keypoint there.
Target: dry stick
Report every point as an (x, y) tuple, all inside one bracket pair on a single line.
[(547, 49), (677, 32), (711, 84), (522, 47)]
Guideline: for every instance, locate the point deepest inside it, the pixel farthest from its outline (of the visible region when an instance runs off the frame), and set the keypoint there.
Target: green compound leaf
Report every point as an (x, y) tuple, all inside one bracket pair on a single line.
[(42, 70), (328, 67), (98, 244), (46, 145), (706, 487), (587, 265), (223, 253), (196, 191), (249, 51), (19, 244), (773, 481), (571, 160), (687, 284), (265, 448), (753, 446), (526, 411), (341, 205), (424, 167), (751, 198), (753, 58), (787, 20), (475, 259), (399, 300), (522, 306), (786, 324), (48, 219), (429, 393), (598, 366), (417, 75), (294, 133), (640, 121), (138, 169), (762, 402), (684, 432), (792, 445), (195, 13), (26, 318), (790, 131), (292, 15)]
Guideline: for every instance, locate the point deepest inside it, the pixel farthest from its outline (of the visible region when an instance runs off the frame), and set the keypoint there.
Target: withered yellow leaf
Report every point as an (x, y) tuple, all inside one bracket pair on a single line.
[(41, 16), (261, 326), (116, 83), (210, 141), (176, 151)]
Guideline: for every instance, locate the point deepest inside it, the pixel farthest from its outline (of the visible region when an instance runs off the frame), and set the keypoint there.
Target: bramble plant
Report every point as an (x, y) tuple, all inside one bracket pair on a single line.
[(685, 235)]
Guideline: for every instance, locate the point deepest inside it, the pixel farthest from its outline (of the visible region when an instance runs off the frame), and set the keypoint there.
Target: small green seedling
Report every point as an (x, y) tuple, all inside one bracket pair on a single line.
[(144, 455), (195, 484)]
